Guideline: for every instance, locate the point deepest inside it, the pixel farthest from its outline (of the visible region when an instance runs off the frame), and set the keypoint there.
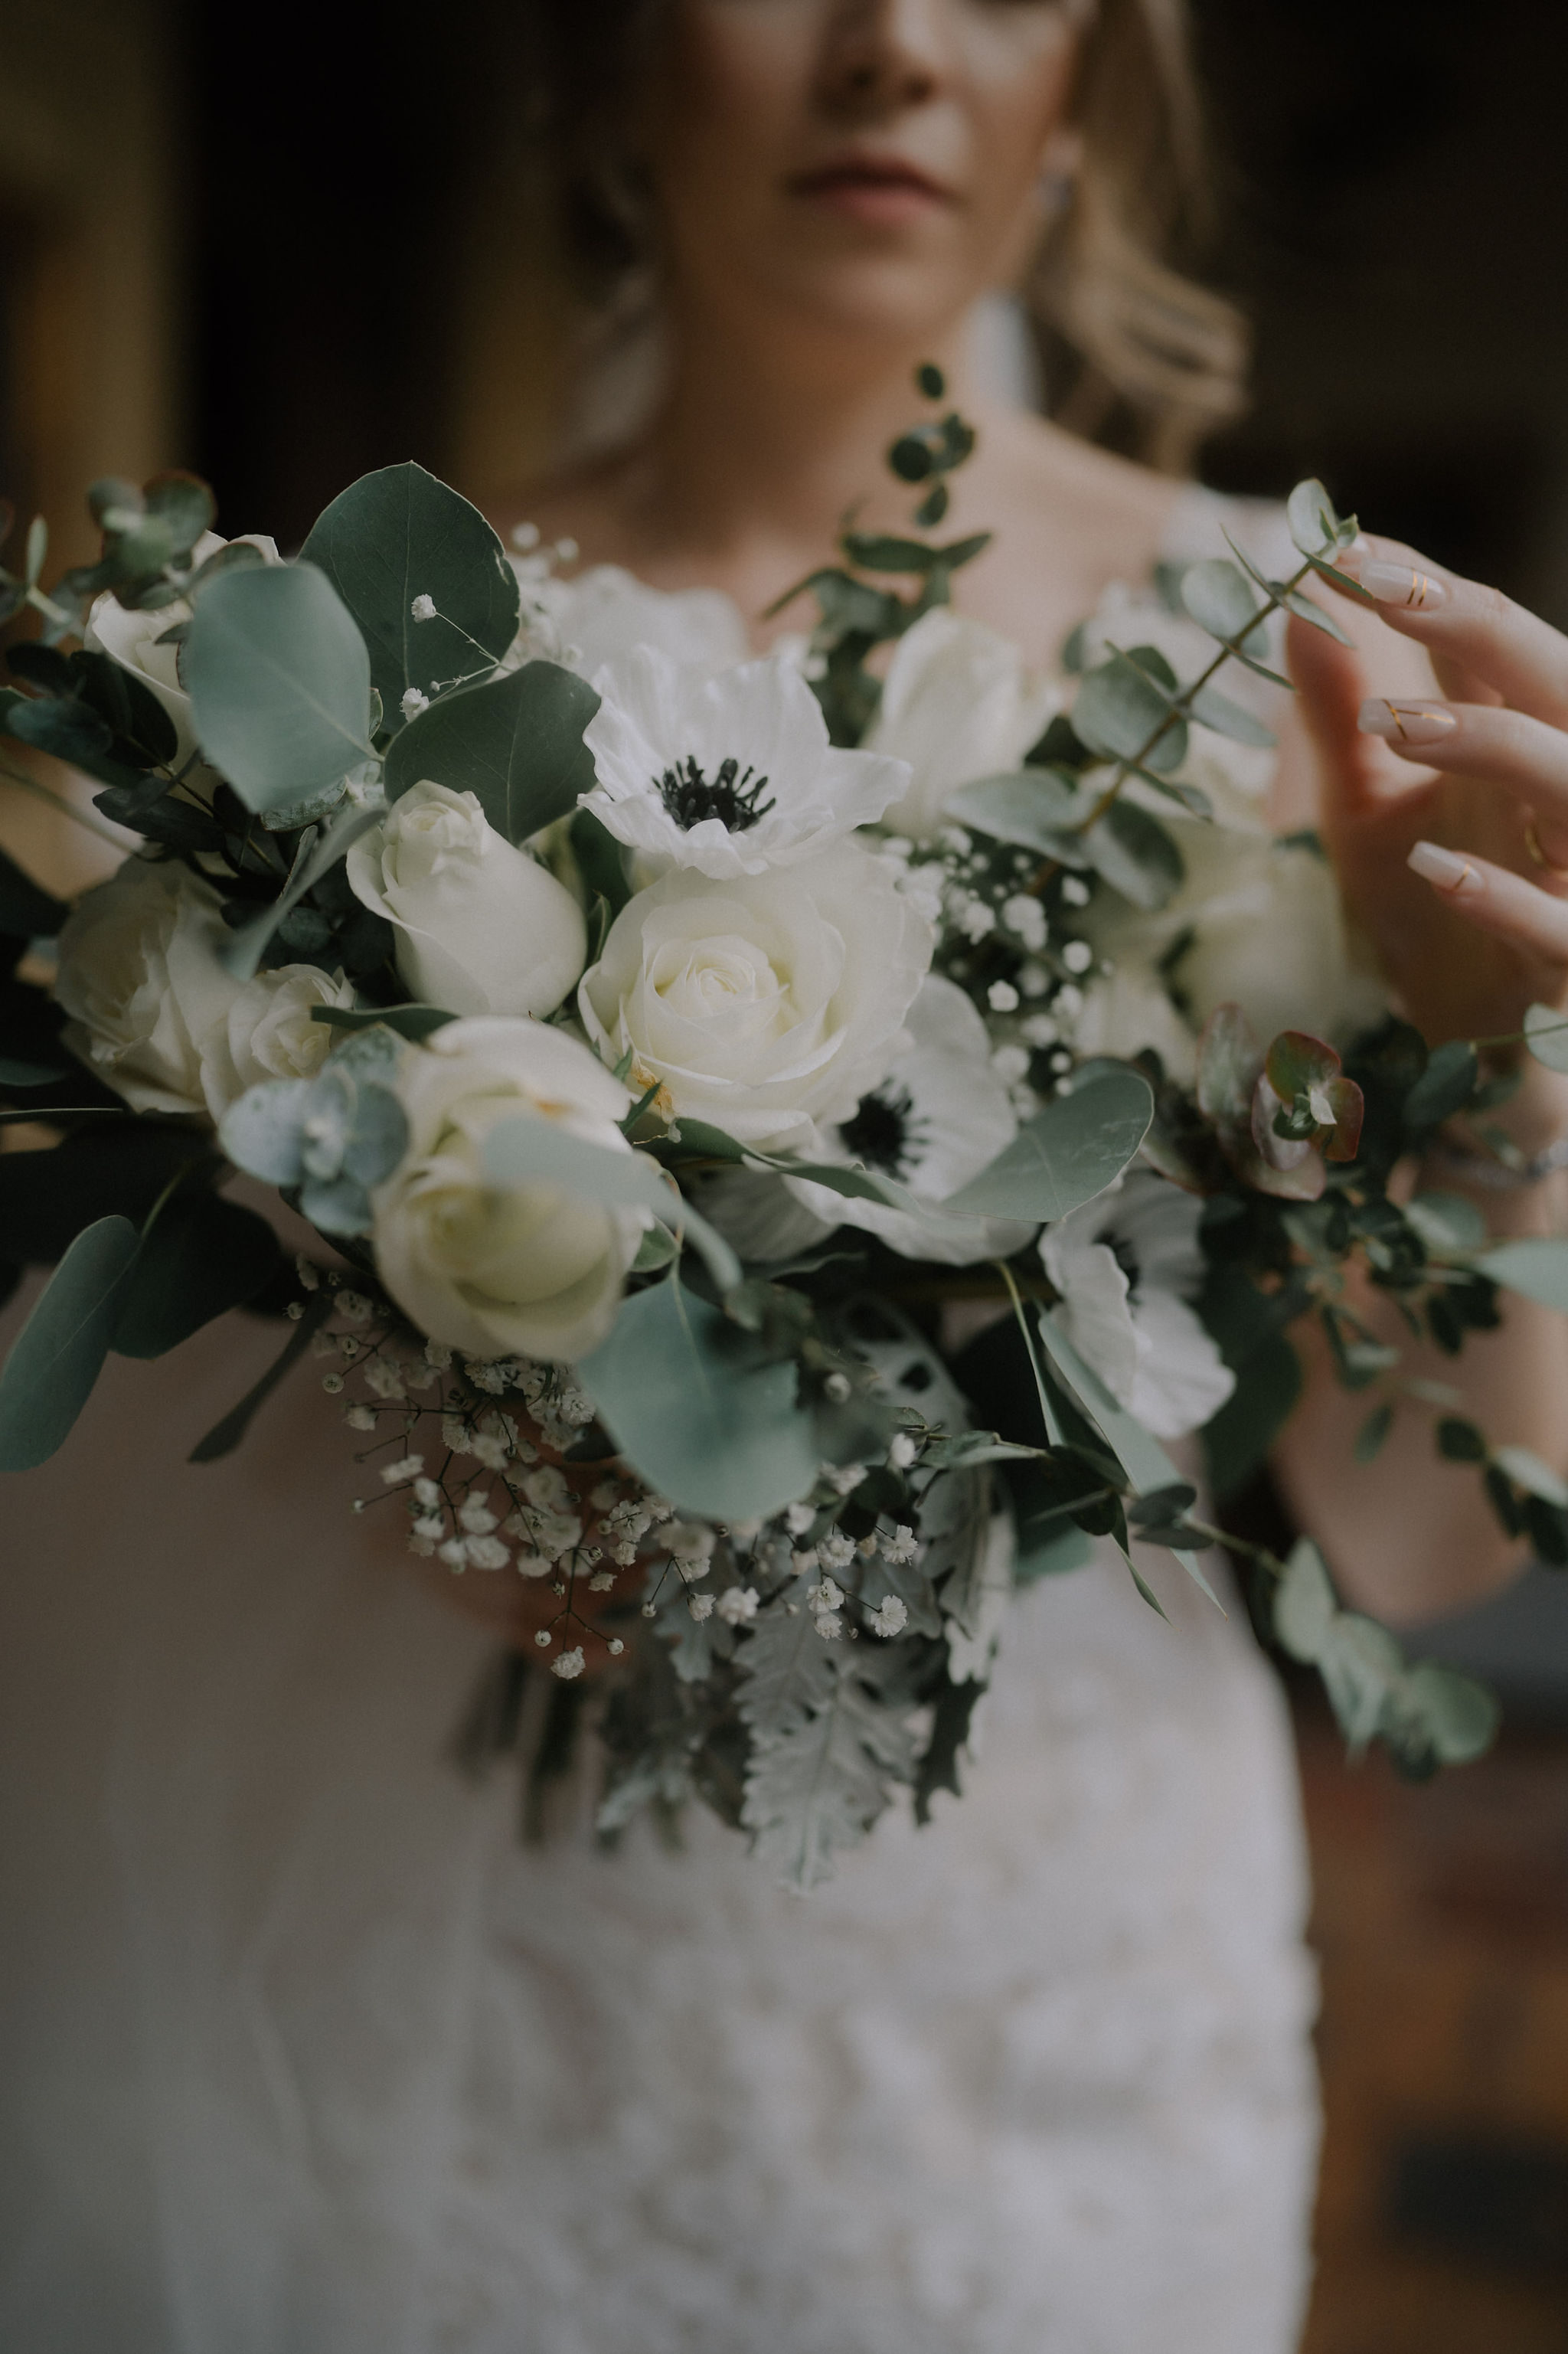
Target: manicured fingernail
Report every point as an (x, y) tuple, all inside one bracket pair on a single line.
[(1446, 869), (1396, 584), (1407, 723)]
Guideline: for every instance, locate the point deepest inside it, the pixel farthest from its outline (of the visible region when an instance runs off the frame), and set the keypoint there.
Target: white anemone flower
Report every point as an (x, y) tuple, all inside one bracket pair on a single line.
[(730, 774), (937, 1120), (1125, 1265)]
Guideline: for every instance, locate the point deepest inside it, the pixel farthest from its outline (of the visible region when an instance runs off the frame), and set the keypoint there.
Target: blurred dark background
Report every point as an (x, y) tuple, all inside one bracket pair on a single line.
[(289, 243)]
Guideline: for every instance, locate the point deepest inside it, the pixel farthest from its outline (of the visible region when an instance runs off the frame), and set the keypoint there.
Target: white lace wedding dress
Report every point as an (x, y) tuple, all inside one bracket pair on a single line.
[(306, 2055)]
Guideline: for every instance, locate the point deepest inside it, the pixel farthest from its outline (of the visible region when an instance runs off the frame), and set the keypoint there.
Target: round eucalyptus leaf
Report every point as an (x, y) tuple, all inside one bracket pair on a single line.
[(1459, 1716), (516, 742), (399, 536), (280, 683), (1066, 1154), (1304, 1604), (680, 1393)]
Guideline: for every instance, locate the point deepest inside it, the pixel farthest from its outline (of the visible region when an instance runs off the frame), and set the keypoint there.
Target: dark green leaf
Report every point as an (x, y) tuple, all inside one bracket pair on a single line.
[(1459, 1441), (929, 379), (1536, 1266), (279, 683), (417, 1023), (1445, 1086), (1372, 1432), (47, 1197), (1035, 808), (398, 534), (60, 1351), (27, 910), (1135, 854), (1233, 719), (516, 742), (1237, 1439), (225, 1436), (200, 1257), (884, 552)]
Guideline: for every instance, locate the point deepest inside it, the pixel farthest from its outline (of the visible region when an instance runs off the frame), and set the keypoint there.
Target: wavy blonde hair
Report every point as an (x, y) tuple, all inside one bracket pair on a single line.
[(1159, 361)]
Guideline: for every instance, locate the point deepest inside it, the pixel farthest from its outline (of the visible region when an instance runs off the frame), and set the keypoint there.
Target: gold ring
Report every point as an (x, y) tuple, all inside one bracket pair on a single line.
[(1533, 843)]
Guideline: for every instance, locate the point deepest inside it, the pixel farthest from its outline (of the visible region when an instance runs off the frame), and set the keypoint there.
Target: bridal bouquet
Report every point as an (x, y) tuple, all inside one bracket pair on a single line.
[(790, 1138)]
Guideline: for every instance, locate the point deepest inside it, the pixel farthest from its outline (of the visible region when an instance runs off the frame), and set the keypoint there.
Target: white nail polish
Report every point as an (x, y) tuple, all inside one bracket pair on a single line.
[(1447, 870), (1407, 723), (1398, 584)]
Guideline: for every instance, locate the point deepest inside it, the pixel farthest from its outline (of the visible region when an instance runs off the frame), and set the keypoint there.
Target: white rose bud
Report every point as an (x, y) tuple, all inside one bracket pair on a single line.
[(531, 1270), (481, 928), (959, 702), (270, 1032), (132, 640), (766, 1002)]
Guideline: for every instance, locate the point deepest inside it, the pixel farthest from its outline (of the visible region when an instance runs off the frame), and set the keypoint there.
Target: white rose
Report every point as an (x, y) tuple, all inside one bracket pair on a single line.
[(497, 1271), (763, 1003), (155, 1011), (1269, 935), (147, 996), (132, 640), (959, 702), (481, 928), (270, 1031)]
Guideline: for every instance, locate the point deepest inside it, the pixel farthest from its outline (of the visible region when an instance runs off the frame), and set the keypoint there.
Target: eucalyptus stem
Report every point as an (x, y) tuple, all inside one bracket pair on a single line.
[(1180, 709)]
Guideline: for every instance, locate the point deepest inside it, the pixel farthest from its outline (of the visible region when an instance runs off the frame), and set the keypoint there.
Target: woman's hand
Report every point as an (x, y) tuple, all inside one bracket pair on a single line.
[(1446, 815)]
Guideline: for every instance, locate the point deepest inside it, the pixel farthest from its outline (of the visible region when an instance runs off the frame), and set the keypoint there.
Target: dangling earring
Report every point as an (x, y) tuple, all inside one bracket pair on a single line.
[(1057, 181)]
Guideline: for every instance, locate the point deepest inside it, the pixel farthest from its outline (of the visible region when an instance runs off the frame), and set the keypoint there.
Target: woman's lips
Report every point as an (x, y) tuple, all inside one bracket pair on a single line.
[(883, 195)]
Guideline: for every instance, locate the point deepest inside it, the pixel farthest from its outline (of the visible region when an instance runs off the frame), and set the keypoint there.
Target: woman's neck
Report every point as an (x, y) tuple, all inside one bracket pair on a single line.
[(755, 455)]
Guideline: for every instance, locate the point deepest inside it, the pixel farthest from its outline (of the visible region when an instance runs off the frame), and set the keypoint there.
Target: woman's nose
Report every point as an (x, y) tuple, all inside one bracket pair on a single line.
[(880, 57)]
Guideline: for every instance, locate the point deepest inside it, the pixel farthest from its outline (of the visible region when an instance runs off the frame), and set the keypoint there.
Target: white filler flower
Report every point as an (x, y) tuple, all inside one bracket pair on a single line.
[(959, 702), (529, 1270), (481, 927), (731, 775), (936, 1119), (599, 617), (154, 1011), (765, 1005), (1125, 1265)]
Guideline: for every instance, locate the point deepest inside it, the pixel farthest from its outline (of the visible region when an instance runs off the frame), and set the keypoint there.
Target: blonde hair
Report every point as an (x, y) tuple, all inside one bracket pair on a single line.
[(1156, 360), (1170, 353)]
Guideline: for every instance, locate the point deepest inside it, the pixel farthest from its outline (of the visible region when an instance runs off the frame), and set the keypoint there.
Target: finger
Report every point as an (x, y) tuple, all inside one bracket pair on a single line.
[(1522, 756), (1465, 622), (1496, 901), (1359, 772)]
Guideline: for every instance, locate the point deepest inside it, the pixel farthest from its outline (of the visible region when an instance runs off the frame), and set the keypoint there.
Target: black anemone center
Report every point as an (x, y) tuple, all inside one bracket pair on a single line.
[(1126, 1257), (733, 796), (884, 1131)]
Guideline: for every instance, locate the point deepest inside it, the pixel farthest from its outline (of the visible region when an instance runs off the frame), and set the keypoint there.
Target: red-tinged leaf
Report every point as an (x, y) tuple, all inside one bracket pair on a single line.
[(1350, 1109), (1229, 1058), (1303, 1183), (1298, 1061), (1279, 1152)]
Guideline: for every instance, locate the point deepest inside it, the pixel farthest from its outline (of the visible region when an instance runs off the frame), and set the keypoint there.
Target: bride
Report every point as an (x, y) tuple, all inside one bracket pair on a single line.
[(306, 2052)]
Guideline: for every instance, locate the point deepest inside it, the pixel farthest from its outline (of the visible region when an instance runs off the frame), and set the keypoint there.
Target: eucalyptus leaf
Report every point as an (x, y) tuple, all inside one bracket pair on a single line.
[(690, 1407), (1445, 1086), (58, 1354), (1217, 597), (1450, 1226), (1313, 523), (400, 534), (415, 1023), (1305, 1607), (279, 683), (1215, 710), (1066, 1155), (200, 1257), (1459, 1716), (1033, 809), (1536, 1266), (532, 1150), (1546, 1035), (517, 742), (225, 1436), (245, 951), (1132, 852), (1528, 1471), (1124, 714)]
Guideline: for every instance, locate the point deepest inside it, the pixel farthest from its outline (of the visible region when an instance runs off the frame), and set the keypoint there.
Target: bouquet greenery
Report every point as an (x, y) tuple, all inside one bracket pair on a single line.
[(786, 1142)]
